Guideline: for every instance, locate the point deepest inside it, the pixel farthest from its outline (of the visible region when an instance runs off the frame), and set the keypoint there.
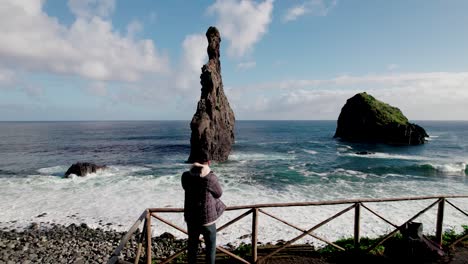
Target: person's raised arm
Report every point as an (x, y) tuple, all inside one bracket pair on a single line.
[(214, 187)]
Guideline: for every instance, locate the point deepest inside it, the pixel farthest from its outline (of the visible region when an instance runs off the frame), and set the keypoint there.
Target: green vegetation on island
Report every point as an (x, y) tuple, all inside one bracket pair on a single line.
[(385, 113), (365, 119)]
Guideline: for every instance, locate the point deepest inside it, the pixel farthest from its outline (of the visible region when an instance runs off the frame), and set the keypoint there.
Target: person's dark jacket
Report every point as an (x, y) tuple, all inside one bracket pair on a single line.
[(202, 192)]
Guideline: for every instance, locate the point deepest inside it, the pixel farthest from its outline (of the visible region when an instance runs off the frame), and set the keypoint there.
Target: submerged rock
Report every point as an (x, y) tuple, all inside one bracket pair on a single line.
[(213, 123), (366, 119), (364, 153), (83, 168)]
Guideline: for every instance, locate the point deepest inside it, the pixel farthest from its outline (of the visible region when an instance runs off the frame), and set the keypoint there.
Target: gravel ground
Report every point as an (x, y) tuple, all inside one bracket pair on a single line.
[(72, 244)]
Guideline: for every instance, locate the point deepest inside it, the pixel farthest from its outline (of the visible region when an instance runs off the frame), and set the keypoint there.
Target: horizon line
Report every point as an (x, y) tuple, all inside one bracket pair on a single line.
[(188, 120)]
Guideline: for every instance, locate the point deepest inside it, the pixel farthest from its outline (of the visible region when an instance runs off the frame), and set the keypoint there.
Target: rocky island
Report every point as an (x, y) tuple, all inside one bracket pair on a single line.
[(366, 119), (213, 123), (82, 169)]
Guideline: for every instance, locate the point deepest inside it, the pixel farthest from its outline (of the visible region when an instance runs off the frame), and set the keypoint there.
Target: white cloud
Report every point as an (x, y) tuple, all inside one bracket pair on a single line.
[(193, 57), (431, 95), (242, 22), (312, 7), (90, 47), (246, 65), (91, 8), (294, 12), (133, 28)]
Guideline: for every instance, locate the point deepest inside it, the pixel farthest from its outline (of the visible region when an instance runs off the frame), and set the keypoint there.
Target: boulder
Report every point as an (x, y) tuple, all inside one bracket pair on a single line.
[(212, 124), (366, 119), (83, 168)]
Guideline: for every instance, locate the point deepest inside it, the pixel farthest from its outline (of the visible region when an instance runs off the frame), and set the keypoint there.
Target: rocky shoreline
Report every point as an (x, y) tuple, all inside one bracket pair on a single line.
[(41, 243)]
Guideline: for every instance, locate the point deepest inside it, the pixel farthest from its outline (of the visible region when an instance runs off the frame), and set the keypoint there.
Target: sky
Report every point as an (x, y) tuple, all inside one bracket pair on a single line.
[(281, 60)]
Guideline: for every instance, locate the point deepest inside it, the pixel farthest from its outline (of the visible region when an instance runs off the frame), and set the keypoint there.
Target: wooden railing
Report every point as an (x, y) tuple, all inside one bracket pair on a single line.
[(144, 237)]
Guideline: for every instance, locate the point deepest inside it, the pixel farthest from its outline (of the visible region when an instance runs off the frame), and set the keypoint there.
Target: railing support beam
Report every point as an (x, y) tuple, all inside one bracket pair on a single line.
[(148, 237), (357, 225), (440, 220), (254, 234)]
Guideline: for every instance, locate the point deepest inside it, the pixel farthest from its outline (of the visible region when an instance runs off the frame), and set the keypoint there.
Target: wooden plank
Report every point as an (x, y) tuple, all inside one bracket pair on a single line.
[(440, 220), (254, 234), (234, 220), (175, 255), (376, 244), (126, 237), (140, 244), (357, 225), (307, 232), (379, 216), (461, 211), (458, 240), (169, 223), (300, 229), (148, 238), (336, 202), (232, 255)]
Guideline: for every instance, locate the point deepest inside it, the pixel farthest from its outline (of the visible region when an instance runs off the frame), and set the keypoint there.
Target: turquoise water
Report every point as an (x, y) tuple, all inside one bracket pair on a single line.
[(272, 161)]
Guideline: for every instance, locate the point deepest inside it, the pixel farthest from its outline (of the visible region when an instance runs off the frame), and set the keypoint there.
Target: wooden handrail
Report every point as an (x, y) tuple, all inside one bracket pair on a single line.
[(256, 208), (115, 254), (335, 202), (398, 229)]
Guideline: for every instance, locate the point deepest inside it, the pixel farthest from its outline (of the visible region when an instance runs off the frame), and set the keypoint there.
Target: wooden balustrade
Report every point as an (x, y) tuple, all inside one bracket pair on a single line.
[(257, 209)]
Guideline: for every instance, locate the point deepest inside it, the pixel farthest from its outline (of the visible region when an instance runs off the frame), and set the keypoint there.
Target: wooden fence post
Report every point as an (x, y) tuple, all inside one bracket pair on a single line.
[(148, 238), (254, 234), (357, 225), (440, 220)]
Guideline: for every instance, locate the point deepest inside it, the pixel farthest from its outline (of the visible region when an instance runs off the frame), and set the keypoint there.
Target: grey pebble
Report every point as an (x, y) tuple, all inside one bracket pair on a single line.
[(45, 243)]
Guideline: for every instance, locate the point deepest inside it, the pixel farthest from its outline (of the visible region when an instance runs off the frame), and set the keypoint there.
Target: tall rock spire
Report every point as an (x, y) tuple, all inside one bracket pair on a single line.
[(213, 123)]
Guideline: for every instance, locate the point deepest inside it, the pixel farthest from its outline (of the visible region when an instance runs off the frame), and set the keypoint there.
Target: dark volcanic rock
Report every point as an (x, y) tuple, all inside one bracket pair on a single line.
[(76, 244), (364, 153), (83, 168), (366, 119), (213, 123)]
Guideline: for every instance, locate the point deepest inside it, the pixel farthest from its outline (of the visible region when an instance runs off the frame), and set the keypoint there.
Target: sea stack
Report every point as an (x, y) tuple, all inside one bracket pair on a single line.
[(83, 168), (366, 119), (213, 123)]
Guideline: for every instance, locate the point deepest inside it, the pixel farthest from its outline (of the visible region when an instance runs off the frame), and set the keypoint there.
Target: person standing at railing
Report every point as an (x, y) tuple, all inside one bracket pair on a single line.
[(202, 207)]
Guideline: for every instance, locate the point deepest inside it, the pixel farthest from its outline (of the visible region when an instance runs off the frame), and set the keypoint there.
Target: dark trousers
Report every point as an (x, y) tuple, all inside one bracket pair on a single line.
[(209, 235)]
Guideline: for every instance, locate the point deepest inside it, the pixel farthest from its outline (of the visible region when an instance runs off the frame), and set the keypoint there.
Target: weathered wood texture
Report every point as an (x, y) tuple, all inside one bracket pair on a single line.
[(255, 209)]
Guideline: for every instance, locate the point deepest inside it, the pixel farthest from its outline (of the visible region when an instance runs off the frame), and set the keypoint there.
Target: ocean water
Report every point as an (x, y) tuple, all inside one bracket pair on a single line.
[(271, 162)]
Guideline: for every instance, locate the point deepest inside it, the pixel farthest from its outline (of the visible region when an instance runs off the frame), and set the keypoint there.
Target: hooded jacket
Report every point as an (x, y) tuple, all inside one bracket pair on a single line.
[(202, 192)]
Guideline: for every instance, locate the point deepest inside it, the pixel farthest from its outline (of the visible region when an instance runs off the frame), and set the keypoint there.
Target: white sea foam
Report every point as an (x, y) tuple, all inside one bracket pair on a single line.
[(53, 170), (274, 143), (431, 138), (240, 156), (312, 152), (119, 195), (380, 155), (459, 167)]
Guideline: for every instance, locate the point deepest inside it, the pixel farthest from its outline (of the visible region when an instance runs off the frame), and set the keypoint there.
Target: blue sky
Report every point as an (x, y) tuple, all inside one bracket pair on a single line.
[(141, 60)]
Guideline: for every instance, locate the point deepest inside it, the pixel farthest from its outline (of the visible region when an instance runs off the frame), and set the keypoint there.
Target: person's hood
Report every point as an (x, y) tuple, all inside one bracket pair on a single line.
[(205, 169)]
